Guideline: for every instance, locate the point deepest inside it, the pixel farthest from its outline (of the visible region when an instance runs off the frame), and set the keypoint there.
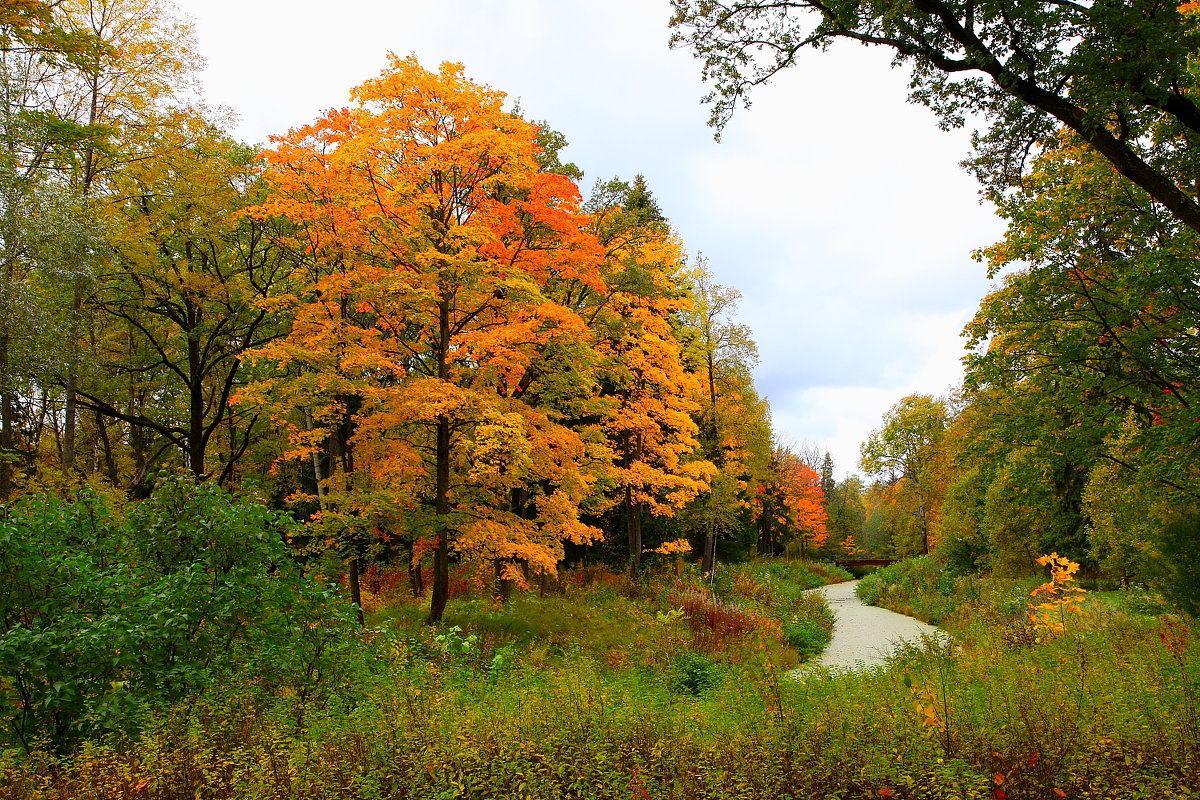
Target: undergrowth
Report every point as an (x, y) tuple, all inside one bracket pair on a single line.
[(621, 689)]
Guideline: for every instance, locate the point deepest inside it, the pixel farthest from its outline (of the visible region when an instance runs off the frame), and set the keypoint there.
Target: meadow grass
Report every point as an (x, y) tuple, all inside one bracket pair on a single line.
[(583, 696)]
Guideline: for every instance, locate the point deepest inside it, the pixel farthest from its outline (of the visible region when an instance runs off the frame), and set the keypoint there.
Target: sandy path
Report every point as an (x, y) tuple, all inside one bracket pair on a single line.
[(865, 635)]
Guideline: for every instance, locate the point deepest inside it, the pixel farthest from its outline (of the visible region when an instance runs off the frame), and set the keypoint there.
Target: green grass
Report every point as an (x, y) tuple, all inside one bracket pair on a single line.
[(1106, 709)]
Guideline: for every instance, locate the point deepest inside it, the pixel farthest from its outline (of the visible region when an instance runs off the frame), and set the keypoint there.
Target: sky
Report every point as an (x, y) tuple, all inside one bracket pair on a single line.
[(836, 208)]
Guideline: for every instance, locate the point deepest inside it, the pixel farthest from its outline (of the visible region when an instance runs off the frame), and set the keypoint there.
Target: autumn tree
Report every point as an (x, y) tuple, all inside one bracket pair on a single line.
[(844, 508), (648, 396), (902, 450), (725, 518), (29, 27), (433, 235), (184, 294), (734, 422), (791, 505)]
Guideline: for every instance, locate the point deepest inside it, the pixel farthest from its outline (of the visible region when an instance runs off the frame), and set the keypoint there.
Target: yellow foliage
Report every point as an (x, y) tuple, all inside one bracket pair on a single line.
[(1059, 595), (672, 547)]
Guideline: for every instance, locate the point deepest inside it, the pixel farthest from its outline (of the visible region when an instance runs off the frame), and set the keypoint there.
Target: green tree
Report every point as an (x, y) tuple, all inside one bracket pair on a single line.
[(827, 481), (847, 514), (724, 353), (47, 238), (185, 293), (903, 450), (137, 62), (1093, 331)]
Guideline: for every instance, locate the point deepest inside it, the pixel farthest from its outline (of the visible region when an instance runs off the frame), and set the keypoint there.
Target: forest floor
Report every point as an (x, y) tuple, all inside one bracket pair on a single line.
[(863, 635)]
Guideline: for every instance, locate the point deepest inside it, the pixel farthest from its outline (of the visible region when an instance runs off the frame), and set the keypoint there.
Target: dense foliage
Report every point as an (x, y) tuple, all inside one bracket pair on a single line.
[(615, 689), (107, 615), (401, 322), (1074, 431), (264, 415)]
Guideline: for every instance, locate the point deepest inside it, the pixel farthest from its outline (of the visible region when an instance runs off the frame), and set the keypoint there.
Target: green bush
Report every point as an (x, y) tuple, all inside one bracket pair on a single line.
[(1177, 573), (807, 636), (1104, 711), (106, 616), (925, 587), (798, 574), (870, 588), (1138, 601), (695, 674)]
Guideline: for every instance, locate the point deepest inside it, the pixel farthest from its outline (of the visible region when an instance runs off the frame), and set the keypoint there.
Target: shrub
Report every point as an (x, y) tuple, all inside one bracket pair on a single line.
[(1177, 573), (810, 626), (925, 587), (807, 636), (106, 617), (695, 675), (713, 620)]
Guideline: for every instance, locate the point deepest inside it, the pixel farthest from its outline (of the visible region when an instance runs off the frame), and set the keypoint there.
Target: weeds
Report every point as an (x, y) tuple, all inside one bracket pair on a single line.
[(538, 711)]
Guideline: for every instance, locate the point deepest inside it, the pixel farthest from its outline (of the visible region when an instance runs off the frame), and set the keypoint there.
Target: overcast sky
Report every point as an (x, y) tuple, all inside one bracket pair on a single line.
[(836, 208)]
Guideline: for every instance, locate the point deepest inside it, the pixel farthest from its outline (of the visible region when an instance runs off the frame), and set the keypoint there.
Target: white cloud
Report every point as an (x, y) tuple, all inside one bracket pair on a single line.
[(833, 416)]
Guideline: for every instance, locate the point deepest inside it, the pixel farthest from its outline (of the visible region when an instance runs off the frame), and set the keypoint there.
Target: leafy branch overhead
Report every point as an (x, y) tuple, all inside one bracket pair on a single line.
[(1115, 72)]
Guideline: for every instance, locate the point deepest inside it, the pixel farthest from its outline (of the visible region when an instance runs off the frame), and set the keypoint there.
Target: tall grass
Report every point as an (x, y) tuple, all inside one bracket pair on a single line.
[(1106, 709)]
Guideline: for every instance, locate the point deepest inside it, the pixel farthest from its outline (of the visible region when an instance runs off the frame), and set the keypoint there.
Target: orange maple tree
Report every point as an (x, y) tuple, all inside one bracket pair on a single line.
[(791, 503), (650, 426), (432, 246)]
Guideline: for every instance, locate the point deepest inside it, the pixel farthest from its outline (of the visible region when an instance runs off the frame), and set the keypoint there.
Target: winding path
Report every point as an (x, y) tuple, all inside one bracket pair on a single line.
[(864, 636)]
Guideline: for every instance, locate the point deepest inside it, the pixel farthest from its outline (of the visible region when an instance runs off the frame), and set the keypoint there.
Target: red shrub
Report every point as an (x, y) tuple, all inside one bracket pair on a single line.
[(713, 620)]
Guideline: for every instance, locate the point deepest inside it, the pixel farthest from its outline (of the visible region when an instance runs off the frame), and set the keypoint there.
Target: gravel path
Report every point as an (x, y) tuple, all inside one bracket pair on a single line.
[(864, 636)]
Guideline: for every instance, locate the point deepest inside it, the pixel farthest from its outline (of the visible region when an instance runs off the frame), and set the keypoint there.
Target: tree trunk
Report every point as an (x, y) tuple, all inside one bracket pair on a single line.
[(633, 529), (924, 523), (315, 457), (416, 578), (71, 408), (441, 553), (766, 546), (504, 586), (110, 461), (517, 503), (70, 417), (356, 588), (7, 421), (709, 562), (441, 484)]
